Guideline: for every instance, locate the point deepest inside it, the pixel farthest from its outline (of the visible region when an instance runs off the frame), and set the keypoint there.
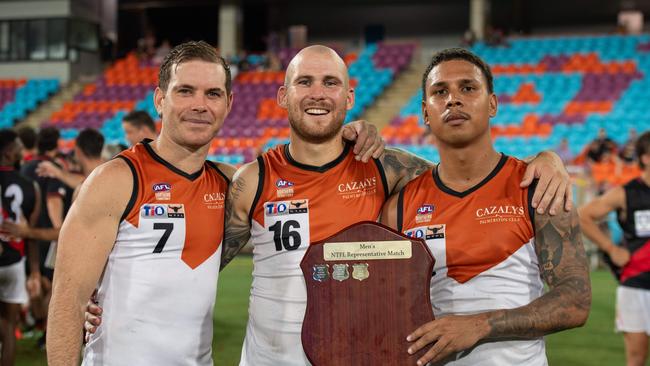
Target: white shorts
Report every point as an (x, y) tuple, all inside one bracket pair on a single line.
[(13, 283), (632, 310)]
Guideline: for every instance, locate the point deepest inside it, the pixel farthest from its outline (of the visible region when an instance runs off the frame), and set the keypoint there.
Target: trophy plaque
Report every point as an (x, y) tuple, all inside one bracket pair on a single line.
[(367, 289)]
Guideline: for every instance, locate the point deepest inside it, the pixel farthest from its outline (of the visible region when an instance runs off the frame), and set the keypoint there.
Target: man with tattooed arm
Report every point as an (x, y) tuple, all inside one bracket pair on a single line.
[(308, 190), (492, 250)]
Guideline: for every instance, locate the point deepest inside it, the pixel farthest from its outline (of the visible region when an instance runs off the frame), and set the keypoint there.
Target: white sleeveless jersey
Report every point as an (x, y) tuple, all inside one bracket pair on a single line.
[(159, 285), (483, 244), (296, 205)]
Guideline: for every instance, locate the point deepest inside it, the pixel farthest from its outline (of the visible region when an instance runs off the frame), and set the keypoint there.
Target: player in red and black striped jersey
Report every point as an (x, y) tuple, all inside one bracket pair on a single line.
[(20, 199), (631, 202)]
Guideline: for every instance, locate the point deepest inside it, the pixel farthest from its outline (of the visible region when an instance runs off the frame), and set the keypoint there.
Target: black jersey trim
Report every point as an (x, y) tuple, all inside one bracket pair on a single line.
[(313, 168), (400, 210), (494, 172), (214, 166), (168, 165), (134, 192), (382, 174), (531, 209), (260, 188)]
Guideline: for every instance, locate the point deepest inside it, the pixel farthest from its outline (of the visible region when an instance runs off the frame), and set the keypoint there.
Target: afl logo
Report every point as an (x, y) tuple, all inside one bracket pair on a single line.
[(162, 187), (425, 209), (281, 183)]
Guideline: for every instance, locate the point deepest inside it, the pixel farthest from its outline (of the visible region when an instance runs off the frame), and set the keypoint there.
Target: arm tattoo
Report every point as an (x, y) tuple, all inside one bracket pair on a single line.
[(237, 227), (563, 265), (401, 167)]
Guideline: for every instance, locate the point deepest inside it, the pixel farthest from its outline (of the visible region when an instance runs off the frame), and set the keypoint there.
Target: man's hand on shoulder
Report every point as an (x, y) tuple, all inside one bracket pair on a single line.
[(368, 141), (553, 192)]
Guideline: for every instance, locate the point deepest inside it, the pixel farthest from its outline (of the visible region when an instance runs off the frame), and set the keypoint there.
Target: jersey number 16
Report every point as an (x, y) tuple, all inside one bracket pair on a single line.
[(284, 236)]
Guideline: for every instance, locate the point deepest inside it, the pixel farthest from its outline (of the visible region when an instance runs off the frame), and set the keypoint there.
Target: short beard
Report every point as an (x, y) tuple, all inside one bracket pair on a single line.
[(327, 136)]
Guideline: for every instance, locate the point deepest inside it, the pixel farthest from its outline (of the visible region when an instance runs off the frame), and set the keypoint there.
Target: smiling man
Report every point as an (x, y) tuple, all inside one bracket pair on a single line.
[(142, 223)]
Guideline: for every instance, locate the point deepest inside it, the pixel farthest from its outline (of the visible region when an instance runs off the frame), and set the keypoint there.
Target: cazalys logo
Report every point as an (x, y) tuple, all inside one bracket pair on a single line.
[(163, 191), (357, 188), (500, 213), (214, 200)]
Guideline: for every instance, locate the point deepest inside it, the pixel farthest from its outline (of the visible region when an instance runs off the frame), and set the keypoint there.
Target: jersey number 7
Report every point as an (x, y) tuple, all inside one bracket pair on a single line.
[(168, 227)]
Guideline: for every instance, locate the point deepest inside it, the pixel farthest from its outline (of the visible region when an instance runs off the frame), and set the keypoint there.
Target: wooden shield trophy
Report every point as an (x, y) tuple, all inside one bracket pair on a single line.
[(367, 289)]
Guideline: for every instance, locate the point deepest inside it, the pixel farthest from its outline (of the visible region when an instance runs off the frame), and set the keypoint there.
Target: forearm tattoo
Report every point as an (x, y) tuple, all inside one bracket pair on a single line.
[(237, 227), (563, 266)]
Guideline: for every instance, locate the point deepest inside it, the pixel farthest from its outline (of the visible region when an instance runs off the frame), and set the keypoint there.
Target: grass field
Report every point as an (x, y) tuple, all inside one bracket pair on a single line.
[(593, 345)]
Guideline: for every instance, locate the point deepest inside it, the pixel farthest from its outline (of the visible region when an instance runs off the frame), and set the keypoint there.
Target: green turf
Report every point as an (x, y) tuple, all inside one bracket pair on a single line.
[(595, 344)]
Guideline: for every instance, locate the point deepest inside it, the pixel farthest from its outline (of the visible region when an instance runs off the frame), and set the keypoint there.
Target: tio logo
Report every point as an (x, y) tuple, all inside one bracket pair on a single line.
[(418, 233), (153, 211), (273, 208)]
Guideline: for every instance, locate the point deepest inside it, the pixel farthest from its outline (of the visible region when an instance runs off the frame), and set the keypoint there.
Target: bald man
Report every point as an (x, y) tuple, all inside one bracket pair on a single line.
[(296, 194)]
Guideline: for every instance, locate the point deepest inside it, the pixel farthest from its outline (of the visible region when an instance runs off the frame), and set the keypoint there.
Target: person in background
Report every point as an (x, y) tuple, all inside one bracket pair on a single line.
[(138, 125), (601, 147), (54, 202), (631, 259), (27, 136), (20, 198), (87, 151)]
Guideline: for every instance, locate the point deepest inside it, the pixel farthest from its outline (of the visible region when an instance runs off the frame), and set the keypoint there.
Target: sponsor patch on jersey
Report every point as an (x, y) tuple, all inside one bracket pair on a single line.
[(175, 211), (357, 188), (435, 231), (163, 191), (298, 206), (286, 207), (214, 200), (171, 211), (429, 232), (424, 213), (285, 188), (425, 209), (499, 214)]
